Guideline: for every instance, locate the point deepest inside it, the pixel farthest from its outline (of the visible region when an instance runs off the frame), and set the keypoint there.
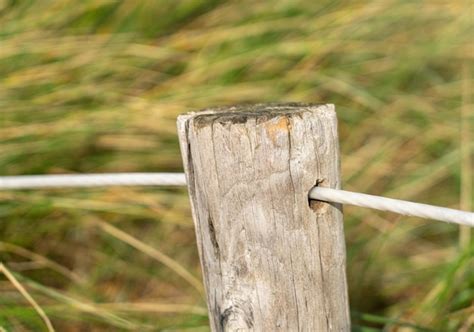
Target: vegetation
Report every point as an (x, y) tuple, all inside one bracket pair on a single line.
[(95, 86)]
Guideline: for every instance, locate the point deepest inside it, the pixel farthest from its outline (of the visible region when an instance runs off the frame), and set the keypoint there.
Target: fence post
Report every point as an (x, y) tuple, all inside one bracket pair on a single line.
[(271, 260)]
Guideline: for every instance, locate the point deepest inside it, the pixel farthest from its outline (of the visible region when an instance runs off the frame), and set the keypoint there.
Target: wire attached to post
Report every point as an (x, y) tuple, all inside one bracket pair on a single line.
[(393, 205), (178, 179)]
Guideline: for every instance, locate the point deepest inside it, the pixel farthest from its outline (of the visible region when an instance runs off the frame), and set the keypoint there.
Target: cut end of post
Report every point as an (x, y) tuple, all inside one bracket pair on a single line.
[(242, 113)]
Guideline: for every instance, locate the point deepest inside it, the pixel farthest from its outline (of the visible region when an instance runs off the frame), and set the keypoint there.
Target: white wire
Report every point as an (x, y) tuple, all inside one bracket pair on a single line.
[(393, 205), (178, 179), (92, 180)]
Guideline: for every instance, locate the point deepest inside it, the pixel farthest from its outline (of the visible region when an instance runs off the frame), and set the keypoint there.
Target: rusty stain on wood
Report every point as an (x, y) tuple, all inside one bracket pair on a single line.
[(277, 127)]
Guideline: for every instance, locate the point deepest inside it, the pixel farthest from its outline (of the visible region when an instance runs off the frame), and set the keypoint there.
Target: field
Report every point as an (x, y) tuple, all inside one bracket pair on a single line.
[(95, 86)]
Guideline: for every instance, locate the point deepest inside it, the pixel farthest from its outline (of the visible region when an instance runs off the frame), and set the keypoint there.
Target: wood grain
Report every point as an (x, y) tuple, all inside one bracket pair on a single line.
[(270, 260)]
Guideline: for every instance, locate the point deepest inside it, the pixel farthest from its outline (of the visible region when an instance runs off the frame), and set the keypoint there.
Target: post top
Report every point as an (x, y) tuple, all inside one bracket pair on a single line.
[(242, 113)]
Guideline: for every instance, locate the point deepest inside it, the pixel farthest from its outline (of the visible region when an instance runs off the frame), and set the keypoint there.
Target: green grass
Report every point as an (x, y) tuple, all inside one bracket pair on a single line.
[(95, 86)]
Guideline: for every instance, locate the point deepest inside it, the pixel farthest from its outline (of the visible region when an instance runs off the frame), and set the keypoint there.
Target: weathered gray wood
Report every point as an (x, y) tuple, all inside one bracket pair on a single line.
[(270, 261)]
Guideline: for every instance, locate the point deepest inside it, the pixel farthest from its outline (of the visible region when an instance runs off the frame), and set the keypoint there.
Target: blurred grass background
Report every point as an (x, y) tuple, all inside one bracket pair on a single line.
[(95, 86)]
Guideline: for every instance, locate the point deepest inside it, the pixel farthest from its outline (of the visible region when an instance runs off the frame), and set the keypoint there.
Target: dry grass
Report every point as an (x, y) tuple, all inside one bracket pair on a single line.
[(95, 86), (18, 286)]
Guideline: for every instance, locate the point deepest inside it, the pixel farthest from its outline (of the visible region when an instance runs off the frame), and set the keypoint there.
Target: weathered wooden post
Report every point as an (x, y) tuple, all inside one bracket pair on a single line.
[(271, 260)]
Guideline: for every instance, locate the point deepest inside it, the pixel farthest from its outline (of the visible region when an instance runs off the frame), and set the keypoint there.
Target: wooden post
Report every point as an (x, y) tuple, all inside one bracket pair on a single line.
[(271, 260)]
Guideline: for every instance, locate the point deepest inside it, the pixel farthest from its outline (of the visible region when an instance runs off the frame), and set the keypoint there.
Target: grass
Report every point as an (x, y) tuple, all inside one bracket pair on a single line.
[(95, 86)]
